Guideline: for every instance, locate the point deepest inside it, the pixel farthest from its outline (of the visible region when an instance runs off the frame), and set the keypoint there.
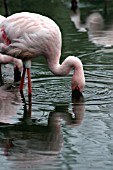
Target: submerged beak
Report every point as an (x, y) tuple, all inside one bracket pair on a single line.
[(76, 94), (17, 75)]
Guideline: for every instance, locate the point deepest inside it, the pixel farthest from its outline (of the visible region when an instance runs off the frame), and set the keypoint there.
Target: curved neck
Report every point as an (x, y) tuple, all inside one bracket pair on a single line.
[(66, 66), (78, 79)]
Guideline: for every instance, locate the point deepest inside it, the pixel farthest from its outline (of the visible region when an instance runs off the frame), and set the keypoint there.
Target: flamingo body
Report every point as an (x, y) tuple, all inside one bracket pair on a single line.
[(2, 18), (32, 35)]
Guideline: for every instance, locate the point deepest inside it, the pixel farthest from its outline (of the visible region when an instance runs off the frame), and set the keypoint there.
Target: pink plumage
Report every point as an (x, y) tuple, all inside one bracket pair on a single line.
[(32, 35)]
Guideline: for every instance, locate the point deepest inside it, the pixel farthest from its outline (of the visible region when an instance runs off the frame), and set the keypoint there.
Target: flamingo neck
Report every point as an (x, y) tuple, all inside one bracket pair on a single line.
[(65, 68)]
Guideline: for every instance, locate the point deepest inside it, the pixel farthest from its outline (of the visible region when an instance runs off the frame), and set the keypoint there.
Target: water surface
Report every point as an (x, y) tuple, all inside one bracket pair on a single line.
[(65, 134)]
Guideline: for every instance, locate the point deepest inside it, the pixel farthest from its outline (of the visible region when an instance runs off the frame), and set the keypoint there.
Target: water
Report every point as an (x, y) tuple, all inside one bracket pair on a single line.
[(65, 134)]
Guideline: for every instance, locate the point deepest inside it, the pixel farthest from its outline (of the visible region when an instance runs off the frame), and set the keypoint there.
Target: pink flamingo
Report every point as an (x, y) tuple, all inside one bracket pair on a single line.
[(27, 35), (2, 18), (5, 59)]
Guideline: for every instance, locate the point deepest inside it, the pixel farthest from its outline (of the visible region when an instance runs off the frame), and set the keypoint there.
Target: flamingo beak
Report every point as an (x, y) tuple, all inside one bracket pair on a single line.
[(76, 93), (17, 75)]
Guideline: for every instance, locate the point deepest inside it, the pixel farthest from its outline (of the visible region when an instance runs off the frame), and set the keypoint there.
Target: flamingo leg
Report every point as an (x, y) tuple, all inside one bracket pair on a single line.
[(8, 146), (1, 80), (29, 91), (27, 65), (17, 75), (22, 80), (0, 74), (0, 70), (26, 116)]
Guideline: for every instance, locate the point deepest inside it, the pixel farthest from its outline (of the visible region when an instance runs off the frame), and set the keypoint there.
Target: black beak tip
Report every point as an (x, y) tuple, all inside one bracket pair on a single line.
[(17, 75), (76, 94)]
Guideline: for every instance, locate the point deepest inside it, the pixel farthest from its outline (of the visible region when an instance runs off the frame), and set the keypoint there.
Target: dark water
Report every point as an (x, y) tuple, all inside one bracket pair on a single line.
[(65, 134)]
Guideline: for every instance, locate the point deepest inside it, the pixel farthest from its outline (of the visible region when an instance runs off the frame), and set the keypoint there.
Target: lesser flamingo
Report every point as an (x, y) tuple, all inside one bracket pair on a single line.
[(27, 35)]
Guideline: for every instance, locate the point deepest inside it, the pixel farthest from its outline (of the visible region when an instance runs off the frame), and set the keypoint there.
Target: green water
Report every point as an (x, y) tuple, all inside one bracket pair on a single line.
[(65, 134)]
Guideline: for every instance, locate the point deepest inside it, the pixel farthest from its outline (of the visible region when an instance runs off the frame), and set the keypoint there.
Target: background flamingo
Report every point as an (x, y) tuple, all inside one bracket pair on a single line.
[(28, 35), (97, 31)]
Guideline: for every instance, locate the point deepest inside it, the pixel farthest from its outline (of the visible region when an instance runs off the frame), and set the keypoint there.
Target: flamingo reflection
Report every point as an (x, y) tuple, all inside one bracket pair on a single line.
[(10, 102), (22, 141)]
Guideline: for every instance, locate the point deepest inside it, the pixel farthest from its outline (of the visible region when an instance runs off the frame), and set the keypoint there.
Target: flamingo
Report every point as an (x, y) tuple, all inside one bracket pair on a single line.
[(2, 18), (5, 59), (26, 35), (97, 33)]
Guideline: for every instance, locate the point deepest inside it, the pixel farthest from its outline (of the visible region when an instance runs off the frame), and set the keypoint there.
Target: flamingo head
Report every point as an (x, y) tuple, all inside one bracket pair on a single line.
[(17, 70), (76, 93), (17, 75), (78, 83)]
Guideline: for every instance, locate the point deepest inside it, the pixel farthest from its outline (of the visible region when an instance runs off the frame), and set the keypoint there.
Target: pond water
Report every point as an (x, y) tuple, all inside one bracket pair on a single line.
[(65, 134)]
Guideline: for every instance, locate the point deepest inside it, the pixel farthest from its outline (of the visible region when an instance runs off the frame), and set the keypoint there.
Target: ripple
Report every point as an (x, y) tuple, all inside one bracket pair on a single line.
[(99, 84), (51, 89)]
